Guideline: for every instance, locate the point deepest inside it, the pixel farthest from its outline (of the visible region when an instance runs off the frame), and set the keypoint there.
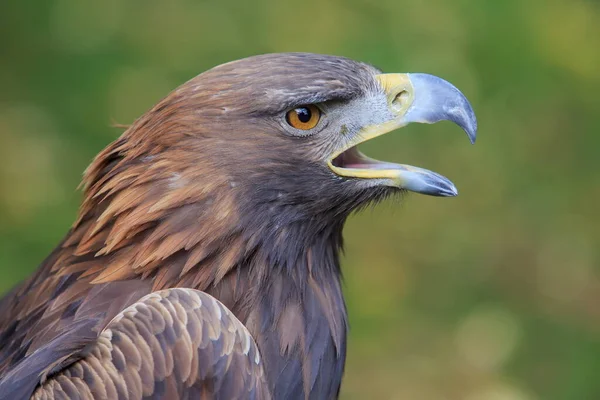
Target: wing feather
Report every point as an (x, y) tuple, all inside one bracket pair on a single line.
[(174, 343)]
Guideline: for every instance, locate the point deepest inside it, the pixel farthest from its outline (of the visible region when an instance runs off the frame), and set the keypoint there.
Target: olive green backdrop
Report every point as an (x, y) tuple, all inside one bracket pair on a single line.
[(493, 295)]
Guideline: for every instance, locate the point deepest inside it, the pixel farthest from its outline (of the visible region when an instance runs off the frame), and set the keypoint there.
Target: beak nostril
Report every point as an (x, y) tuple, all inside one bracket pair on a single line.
[(400, 100)]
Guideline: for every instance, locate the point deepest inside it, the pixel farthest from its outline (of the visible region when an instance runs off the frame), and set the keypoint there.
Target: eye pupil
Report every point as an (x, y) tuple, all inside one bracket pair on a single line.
[(303, 114)]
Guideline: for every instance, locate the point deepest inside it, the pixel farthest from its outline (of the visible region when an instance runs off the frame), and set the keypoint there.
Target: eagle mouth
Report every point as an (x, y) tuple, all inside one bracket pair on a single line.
[(354, 159), (353, 164)]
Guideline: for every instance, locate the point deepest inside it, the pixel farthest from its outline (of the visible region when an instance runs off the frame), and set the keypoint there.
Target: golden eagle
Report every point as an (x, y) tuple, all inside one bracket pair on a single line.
[(204, 262)]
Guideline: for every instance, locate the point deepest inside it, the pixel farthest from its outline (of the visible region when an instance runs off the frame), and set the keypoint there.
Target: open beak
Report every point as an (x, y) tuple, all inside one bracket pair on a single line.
[(419, 98)]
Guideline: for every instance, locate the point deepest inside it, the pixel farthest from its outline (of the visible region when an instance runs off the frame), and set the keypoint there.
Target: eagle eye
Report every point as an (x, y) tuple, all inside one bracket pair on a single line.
[(303, 117)]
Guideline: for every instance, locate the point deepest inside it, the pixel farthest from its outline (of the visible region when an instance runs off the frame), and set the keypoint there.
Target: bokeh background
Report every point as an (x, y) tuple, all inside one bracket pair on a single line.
[(492, 295)]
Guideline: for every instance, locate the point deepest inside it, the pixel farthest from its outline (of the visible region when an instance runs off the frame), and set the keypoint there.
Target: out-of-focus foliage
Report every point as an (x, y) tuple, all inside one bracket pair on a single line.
[(491, 295)]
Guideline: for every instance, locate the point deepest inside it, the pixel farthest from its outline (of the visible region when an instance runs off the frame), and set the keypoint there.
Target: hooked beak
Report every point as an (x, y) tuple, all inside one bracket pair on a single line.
[(419, 98)]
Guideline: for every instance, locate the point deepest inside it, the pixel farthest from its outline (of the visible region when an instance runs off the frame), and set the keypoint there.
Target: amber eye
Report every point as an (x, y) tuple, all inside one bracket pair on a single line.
[(304, 117)]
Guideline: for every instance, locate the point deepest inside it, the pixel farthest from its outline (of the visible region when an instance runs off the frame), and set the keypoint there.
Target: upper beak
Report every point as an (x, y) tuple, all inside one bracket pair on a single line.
[(419, 98), (428, 99)]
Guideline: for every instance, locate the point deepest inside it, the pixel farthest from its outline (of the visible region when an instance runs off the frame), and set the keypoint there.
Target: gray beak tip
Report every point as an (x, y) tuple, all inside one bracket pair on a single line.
[(468, 121), (471, 131)]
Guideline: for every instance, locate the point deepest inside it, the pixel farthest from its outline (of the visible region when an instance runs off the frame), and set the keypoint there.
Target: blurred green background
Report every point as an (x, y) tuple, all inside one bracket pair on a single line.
[(492, 295)]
